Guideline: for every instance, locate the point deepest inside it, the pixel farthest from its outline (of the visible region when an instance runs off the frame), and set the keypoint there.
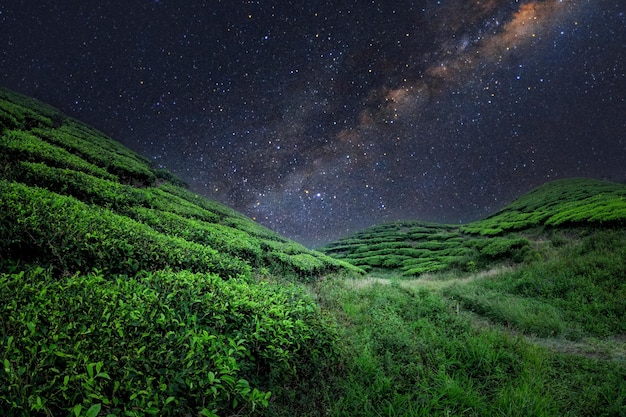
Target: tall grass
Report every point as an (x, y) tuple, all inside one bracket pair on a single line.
[(408, 353), (578, 291)]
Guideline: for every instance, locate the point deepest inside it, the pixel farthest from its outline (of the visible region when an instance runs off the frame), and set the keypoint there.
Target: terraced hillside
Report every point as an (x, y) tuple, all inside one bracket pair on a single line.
[(67, 188), (413, 248), (559, 204), (121, 292)]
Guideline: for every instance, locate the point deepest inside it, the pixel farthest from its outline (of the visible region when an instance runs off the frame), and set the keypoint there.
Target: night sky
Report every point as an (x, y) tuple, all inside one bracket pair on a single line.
[(319, 118)]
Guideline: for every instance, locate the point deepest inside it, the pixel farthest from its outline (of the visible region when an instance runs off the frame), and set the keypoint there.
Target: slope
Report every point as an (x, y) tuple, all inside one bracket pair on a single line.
[(523, 313), (560, 203), (67, 188), (123, 293), (413, 248)]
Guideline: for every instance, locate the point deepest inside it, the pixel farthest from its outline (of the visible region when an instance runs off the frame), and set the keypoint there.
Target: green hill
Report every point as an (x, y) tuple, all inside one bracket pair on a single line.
[(558, 204), (413, 248), (522, 313), (121, 290), (67, 189)]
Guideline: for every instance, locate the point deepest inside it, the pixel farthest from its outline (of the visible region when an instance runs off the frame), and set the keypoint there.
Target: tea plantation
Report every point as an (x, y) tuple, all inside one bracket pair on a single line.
[(412, 248), (123, 293)]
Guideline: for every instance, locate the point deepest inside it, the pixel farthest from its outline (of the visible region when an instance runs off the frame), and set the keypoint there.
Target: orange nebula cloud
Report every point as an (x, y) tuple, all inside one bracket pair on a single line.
[(529, 22), (525, 27)]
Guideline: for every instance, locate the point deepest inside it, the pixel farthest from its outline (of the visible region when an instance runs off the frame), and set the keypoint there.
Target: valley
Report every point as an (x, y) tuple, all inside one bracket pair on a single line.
[(124, 293)]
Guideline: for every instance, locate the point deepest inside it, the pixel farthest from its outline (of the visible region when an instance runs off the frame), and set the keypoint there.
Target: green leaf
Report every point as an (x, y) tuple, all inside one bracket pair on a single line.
[(94, 410), (207, 413), (90, 369), (77, 409)]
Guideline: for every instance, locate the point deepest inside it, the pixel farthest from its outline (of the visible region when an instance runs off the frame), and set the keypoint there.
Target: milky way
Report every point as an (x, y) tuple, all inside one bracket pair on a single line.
[(320, 118)]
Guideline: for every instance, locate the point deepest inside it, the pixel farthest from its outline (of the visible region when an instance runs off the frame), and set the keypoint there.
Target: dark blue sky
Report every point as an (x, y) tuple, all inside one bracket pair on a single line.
[(322, 117)]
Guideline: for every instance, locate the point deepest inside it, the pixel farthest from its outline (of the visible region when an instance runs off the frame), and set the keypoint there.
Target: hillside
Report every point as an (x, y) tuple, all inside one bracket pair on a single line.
[(522, 313), (65, 184), (121, 290), (413, 248), (559, 204)]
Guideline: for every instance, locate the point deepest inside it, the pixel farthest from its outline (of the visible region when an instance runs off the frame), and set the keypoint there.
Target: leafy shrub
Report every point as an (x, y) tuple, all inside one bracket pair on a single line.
[(226, 239), (82, 186), (498, 248), (219, 209), (23, 146), (423, 267), (23, 104), (558, 203), (7, 120), (21, 117), (165, 201), (165, 343), (70, 235), (96, 148)]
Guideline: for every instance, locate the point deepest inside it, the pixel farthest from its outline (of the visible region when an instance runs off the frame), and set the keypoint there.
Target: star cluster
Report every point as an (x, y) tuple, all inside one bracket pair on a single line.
[(320, 118)]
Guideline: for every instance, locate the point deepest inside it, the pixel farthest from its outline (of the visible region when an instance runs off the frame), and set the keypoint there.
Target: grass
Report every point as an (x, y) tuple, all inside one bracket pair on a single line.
[(410, 354), (553, 296), (578, 291)]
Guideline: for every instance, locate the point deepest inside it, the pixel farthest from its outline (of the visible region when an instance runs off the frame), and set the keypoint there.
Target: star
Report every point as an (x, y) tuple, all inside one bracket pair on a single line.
[(324, 119)]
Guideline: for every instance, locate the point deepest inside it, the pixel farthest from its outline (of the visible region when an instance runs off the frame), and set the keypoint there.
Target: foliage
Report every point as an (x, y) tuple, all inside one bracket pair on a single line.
[(414, 248), (103, 152), (162, 344), (50, 229), (566, 202), (124, 293), (23, 146), (123, 196)]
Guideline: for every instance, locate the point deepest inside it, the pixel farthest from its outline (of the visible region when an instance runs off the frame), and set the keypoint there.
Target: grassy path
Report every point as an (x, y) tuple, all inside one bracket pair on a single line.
[(612, 348), (411, 349)]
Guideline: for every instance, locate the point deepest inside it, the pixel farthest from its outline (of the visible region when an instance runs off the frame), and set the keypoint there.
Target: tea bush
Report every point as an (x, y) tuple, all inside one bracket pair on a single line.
[(42, 226), (102, 152), (566, 202), (411, 248), (84, 187), (163, 344), (227, 239), (23, 146)]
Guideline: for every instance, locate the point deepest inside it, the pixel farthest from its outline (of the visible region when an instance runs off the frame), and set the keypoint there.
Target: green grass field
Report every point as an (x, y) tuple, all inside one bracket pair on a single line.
[(124, 294)]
